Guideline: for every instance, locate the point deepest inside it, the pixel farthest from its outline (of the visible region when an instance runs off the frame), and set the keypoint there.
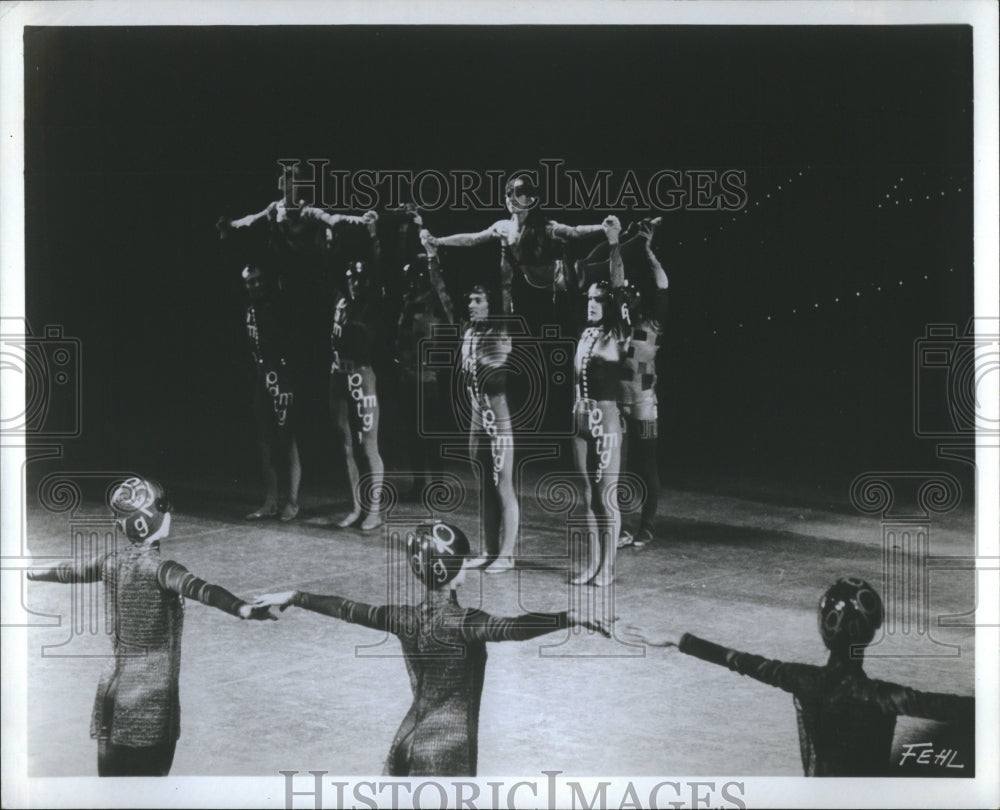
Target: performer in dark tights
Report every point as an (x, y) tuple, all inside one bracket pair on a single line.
[(426, 306), (274, 394), (486, 347), (354, 403), (445, 649), (530, 244), (136, 717), (597, 442), (846, 720), (645, 315)]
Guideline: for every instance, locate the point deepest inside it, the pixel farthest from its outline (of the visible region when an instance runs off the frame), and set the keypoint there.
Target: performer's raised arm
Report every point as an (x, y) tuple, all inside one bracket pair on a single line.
[(435, 276)]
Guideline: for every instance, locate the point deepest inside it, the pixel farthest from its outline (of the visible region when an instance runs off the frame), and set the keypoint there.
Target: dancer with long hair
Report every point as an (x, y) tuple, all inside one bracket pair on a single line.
[(597, 440)]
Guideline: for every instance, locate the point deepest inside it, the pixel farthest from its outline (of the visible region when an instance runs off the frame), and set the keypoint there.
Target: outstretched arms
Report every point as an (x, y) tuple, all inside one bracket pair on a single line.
[(466, 239), (69, 573), (368, 219), (480, 626), (175, 577), (225, 226), (381, 617)]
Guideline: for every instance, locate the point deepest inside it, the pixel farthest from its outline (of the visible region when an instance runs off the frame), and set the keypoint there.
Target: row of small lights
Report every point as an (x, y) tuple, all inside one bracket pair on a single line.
[(857, 294), (756, 203), (896, 187)]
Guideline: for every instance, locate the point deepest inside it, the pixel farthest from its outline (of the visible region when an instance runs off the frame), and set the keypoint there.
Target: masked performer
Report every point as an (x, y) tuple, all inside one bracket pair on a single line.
[(137, 713), (846, 720), (445, 649)]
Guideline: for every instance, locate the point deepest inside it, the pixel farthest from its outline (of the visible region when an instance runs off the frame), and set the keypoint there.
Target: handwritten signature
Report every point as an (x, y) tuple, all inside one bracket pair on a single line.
[(924, 754)]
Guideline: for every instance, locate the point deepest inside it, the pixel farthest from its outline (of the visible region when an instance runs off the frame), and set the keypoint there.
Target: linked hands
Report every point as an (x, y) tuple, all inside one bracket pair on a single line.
[(281, 600), (640, 635), (602, 626), (612, 228), (257, 613)]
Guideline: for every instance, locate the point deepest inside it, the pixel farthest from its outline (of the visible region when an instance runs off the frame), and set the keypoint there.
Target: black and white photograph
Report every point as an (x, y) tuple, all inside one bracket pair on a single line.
[(500, 405)]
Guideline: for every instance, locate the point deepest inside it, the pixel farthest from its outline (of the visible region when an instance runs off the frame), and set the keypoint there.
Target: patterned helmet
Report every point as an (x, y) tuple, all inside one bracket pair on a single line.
[(437, 552), (849, 613), (629, 299), (140, 506)]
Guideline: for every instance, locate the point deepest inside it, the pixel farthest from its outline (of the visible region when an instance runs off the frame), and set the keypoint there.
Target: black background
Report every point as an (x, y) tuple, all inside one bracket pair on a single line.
[(137, 139)]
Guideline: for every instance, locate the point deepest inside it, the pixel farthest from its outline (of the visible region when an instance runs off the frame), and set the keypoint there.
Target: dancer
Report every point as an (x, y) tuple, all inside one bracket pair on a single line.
[(528, 242), (445, 649), (486, 346), (426, 306), (274, 394), (136, 716), (597, 441), (846, 720), (646, 320), (354, 403)]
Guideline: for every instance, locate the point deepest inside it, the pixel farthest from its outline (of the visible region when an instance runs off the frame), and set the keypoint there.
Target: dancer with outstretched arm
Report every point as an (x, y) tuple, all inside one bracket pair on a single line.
[(137, 714), (445, 649), (846, 719), (530, 244)]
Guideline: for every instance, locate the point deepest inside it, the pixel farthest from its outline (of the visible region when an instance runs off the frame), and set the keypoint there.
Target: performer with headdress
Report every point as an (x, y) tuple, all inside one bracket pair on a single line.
[(445, 649), (137, 714)]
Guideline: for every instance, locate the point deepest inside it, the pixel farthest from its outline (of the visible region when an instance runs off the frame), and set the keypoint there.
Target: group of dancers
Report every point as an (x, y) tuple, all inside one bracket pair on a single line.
[(614, 413), (846, 720)]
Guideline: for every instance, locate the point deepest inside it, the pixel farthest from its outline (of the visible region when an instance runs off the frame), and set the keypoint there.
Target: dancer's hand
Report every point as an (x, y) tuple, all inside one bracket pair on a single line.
[(257, 612), (639, 635), (279, 600), (428, 241), (602, 626), (370, 220), (612, 228)]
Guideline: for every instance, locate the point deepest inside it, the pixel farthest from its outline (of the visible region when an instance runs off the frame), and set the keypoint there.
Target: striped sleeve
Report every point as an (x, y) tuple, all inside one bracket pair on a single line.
[(173, 576)]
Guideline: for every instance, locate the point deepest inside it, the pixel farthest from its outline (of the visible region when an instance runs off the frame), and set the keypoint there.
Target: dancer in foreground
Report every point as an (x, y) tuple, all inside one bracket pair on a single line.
[(445, 649), (846, 720), (137, 714)]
